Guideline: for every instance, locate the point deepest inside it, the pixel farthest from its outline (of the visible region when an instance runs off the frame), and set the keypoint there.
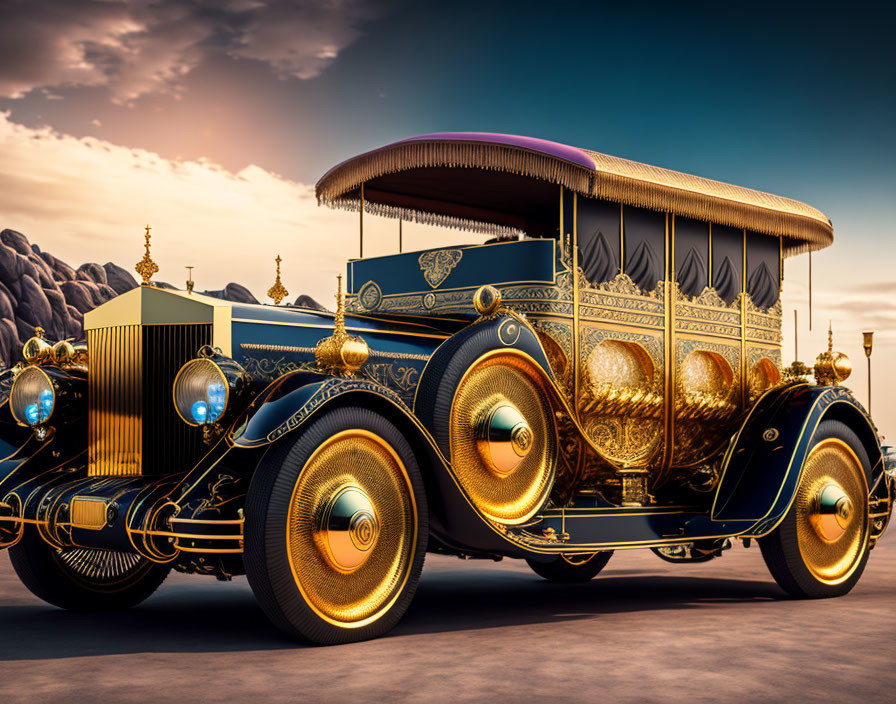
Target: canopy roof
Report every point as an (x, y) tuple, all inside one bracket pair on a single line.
[(500, 183)]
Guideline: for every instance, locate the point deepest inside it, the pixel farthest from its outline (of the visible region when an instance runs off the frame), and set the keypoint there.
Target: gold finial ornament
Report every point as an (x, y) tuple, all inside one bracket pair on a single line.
[(278, 291), (832, 367), (190, 282), (341, 353), (146, 267), (36, 349)]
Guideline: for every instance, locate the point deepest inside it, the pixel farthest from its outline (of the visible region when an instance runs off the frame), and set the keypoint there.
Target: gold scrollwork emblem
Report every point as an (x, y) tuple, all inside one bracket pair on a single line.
[(439, 264)]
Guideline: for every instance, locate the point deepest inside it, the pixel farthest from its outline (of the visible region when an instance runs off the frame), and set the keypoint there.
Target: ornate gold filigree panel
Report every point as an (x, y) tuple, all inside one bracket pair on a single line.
[(764, 370), (707, 398), (622, 393)]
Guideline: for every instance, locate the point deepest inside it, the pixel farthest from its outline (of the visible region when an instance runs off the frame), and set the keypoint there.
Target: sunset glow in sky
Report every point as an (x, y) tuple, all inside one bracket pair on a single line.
[(211, 121)]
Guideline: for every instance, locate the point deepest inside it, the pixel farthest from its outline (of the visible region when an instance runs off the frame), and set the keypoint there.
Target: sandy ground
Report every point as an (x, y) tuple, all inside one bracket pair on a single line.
[(642, 631)]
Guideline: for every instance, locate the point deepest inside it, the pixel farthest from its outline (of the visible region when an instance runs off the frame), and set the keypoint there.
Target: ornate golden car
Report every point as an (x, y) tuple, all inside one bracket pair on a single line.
[(605, 372)]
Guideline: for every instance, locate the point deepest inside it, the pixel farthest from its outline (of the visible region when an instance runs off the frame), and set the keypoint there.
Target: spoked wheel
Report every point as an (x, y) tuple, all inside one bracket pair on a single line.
[(84, 578), (336, 529), (821, 547), (568, 569)]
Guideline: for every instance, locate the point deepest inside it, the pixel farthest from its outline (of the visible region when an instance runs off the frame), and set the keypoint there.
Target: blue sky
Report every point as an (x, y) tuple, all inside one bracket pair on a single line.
[(794, 98)]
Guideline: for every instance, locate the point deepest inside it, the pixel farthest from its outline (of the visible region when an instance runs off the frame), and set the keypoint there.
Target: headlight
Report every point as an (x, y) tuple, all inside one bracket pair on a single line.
[(204, 388), (32, 399)]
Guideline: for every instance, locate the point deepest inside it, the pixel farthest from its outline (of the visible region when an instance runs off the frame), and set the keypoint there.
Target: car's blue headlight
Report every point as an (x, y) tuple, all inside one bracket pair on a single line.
[(32, 398), (203, 388)]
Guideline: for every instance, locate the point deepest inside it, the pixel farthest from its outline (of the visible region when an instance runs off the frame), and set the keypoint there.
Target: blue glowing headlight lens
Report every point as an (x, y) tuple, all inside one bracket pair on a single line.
[(46, 403), (32, 397), (199, 411), (217, 400), (32, 414), (201, 392)]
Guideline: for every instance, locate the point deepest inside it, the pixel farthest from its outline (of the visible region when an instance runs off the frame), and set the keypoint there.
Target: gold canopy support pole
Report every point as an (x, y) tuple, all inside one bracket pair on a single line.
[(669, 342), (399, 235), (810, 290), (361, 224), (796, 331), (743, 323), (576, 342)]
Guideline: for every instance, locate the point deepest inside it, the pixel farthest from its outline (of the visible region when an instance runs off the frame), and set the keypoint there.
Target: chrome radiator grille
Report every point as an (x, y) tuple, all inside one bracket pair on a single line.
[(132, 426)]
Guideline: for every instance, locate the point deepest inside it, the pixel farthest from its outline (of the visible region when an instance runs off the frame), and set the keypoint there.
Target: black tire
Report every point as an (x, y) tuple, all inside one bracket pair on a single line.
[(790, 550), (84, 579), (284, 570), (570, 569)]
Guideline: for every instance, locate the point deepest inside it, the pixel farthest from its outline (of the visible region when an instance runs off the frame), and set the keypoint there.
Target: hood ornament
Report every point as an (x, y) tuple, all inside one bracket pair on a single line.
[(146, 267), (341, 353), (278, 291)]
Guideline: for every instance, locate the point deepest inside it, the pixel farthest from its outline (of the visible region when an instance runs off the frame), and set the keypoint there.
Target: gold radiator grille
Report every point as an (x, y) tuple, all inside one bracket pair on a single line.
[(115, 400), (132, 426)]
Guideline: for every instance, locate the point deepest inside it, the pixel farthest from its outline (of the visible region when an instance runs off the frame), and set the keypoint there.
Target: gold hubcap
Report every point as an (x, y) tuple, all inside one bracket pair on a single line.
[(352, 528), (832, 511), (503, 439), (347, 529)]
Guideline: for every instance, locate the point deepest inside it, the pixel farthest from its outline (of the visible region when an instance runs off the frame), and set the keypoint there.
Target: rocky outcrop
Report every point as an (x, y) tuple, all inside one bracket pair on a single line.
[(304, 301), (233, 292), (39, 290)]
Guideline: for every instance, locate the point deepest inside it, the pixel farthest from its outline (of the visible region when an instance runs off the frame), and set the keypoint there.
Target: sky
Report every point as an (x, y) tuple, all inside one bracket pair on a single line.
[(212, 119)]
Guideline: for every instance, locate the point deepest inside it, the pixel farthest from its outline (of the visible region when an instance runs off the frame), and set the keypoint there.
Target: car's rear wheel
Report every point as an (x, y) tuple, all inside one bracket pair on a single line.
[(568, 569), (336, 529), (84, 579), (821, 547)]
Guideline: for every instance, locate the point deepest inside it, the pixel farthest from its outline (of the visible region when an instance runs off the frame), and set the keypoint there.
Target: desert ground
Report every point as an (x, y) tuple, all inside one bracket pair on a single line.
[(642, 631)]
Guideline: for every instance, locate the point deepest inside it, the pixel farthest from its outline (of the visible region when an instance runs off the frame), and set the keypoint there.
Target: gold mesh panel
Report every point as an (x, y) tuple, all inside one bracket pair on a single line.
[(115, 401), (363, 460), (832, 461), (513, 498)]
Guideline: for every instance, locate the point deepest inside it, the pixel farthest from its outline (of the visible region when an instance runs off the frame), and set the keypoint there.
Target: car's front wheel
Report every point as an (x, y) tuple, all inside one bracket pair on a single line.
[(84, 579), (821, 547), (336, 529)]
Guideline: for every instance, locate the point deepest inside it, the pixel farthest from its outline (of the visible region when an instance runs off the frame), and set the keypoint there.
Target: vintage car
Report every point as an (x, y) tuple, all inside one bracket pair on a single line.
[(604, 373)]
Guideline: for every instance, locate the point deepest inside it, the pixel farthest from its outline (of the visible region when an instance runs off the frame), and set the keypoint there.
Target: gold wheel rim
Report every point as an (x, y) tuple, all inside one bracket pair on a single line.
[(511, 493), (351, 530), (832, 512), (577, 560)]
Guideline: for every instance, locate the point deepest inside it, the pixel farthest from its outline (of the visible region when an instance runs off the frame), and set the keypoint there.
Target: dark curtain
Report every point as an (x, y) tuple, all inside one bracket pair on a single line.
[(645, 246), (727, 261), (598, 235), (763, 272), (691, 255)]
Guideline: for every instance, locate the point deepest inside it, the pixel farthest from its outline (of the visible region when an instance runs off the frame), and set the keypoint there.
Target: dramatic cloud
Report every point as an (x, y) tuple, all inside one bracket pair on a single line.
[(135, 47), (88, 200)]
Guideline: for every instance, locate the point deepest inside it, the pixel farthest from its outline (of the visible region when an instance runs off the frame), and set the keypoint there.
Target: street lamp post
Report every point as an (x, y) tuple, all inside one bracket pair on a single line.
[(866, 343)]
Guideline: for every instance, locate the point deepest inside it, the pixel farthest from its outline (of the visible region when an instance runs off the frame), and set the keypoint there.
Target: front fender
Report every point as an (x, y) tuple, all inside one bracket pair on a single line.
[(293, 399), (762, 468)]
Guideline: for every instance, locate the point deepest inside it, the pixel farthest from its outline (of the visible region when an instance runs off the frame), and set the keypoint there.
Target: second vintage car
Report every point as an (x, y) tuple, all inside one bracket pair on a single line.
[(604, 373)]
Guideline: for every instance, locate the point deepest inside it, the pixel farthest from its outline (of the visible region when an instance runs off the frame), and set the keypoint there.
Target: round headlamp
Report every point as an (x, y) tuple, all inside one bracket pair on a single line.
[(32, 398), (203, 389)]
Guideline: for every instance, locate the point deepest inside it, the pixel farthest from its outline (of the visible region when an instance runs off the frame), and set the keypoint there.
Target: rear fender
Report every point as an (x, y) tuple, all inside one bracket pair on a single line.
[(762, 468)]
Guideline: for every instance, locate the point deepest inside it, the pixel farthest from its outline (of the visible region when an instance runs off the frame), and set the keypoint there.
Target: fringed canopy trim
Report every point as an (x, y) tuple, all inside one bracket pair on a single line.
[(588, 173)]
